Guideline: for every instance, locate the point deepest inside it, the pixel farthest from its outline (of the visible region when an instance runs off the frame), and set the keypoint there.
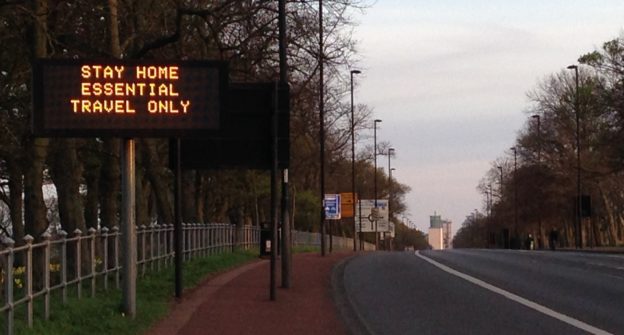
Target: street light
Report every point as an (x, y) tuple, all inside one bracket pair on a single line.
[(375, 179), (539, 163), (579, 241), (500, 168), (390, 152), (353, 163), (539, 139), (515, 182)]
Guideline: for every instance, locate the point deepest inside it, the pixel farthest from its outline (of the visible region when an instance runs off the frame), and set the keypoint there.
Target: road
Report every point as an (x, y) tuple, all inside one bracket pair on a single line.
[(483, 292)]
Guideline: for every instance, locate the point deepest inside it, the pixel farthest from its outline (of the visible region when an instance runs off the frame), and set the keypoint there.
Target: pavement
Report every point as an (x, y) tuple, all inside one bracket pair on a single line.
[(237, 302)]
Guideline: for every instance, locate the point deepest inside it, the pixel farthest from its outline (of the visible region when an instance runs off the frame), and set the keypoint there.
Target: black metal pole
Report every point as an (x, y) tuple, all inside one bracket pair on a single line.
[(579, 232), (274, 198), (515, 182), (360, 219), (578, 237), (353, 165), (539, 165), (177, 228), (322, 126), (286, 243), (387, 236), (375, 181)]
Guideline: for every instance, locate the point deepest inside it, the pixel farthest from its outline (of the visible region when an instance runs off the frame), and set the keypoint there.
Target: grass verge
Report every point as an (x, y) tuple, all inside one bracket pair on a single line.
[(101, 315)]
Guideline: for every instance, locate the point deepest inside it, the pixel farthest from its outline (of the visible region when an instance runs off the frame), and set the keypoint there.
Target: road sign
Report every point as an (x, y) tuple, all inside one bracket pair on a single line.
[(331, 203), (244, 138), (370, 215), (347, 203), (127, 98)]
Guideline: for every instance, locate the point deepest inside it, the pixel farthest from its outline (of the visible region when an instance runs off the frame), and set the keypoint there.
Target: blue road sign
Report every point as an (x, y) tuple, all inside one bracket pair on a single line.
[(331, 203)]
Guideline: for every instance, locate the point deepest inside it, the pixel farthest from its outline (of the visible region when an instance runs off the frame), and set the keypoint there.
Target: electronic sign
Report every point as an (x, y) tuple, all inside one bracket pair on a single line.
[(86, 98), (244, 138)]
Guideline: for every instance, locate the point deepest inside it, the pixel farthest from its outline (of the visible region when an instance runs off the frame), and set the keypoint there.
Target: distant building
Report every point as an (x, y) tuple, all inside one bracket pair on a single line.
[(439, 232)]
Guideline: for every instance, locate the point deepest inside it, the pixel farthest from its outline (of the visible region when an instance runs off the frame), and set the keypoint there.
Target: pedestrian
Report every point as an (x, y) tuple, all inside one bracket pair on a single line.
[(552, 239)]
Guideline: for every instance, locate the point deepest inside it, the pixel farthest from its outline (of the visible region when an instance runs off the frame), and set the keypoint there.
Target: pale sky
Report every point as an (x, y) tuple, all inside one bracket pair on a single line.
[(449, 80)]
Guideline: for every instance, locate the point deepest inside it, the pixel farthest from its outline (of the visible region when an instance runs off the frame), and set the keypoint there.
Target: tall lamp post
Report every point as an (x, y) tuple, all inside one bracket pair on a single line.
[(505, 236), (539, 163), (390, 152), (322, 125), (515, 182), (375, 179), (579, 240), (353, 164)]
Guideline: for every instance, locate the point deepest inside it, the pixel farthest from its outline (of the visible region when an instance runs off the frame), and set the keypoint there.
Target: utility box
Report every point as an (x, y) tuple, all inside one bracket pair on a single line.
[(265, 240)]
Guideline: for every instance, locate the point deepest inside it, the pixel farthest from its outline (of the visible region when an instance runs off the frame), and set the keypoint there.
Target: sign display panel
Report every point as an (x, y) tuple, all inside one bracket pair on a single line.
[(127, 98), (244, 138), (369, 215), (347, 204), (331, 203)]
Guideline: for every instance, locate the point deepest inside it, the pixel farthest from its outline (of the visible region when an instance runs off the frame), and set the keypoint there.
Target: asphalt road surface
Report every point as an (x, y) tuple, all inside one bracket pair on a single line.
[(482, 292)]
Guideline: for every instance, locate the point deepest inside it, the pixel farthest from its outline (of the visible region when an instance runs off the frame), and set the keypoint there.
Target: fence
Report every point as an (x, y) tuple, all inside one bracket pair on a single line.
[(304, 238), (64, 264)]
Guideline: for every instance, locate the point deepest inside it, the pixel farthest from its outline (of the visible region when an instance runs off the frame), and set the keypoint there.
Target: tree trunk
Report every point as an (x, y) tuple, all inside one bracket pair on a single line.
[(188, 197), (142, 199), (93, 166), (35, 211), (200, 196), (16, 189), (110, 184), (158, 179), (66, 172)]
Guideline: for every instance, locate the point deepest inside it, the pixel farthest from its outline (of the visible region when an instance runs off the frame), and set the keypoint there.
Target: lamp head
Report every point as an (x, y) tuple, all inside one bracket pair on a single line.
[(572, 67), (356, 71), (377, 120), (535, 116)]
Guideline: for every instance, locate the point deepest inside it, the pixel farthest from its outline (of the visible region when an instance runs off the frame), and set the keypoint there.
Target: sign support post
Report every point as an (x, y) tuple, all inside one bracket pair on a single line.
[(128, 218), (177, 228)]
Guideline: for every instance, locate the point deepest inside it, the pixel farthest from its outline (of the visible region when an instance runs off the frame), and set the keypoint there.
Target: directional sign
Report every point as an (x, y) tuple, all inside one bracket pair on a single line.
[(369, 215), (331, 203), (347, 203)]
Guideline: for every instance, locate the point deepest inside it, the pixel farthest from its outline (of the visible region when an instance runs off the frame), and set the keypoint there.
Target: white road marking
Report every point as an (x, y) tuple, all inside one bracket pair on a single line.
[(528, 303)]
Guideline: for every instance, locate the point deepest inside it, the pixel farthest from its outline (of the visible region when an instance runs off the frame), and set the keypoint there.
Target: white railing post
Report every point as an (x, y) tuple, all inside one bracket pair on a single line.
[(63, 236), (115, 231), (46, 275), (170, 243), (77, 234), (141, 230), (28, 277), (9, 314), (92, 232), (158, 245), (151, 246), (104, 232)]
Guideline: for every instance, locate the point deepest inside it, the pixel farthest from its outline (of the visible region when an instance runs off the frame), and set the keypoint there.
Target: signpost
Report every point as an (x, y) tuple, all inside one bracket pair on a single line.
[(128, 99)]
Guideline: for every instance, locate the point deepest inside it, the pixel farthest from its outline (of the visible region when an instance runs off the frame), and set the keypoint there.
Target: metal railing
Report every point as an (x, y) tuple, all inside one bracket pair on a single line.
[(62, 263), (65, 264), (304, 238)]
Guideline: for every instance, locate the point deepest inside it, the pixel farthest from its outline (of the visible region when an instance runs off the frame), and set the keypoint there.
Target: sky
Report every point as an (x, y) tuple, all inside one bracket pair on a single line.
[(449, 80)]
